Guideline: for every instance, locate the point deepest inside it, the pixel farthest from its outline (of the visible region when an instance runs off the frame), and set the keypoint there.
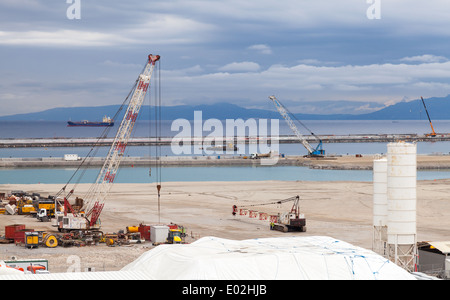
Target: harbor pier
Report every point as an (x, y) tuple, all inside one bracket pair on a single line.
[(164, 141)]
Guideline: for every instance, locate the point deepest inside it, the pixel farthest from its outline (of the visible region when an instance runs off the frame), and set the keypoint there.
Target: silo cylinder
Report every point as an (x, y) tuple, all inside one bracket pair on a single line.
[(401, 192), (380, 192)]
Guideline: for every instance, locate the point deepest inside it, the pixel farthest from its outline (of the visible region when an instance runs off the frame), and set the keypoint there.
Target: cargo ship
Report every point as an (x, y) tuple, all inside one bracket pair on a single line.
[(107, 121)]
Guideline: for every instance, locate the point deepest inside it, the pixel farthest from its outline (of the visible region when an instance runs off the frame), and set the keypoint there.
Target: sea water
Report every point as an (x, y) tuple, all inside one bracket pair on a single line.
[(207, 173), (12, 129), (53, 129), (58, 129)]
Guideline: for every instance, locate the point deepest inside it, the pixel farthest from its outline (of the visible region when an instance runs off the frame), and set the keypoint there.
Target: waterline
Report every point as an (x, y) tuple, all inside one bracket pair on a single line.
[(189, 174)]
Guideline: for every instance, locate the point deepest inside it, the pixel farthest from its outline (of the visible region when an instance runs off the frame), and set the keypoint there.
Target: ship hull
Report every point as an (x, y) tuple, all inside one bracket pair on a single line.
[(89, 124)]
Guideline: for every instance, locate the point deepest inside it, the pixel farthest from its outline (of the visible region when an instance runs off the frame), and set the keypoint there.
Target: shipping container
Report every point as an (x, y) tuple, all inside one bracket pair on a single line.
[(10, 230), (19, 237), (144, 230)]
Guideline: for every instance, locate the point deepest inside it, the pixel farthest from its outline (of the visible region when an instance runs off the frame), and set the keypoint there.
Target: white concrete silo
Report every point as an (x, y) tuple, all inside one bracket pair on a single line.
[(380, 210), (401, 203)]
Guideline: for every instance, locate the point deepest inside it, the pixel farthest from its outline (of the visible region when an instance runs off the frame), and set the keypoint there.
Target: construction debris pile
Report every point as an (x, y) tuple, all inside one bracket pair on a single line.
[(47, 210), (154, 234), (22, 203)]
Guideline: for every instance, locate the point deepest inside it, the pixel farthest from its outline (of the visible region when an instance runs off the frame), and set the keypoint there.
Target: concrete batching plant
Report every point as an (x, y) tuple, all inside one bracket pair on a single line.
[(394, 205)]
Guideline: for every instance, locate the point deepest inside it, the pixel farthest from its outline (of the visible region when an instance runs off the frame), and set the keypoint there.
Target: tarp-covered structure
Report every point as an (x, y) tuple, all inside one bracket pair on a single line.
[(285, 258)]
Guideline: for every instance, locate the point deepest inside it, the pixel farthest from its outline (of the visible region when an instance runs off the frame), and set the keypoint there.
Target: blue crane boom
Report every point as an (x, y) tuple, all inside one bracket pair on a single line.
[(318, 151)]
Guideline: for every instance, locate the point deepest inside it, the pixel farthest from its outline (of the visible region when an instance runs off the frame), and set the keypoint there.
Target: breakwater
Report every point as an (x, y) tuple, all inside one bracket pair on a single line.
[(58, 162), (341, 162), (150, 141)]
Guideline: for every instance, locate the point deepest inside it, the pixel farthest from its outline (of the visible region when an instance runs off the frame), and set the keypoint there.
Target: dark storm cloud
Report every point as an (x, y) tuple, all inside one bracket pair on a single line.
[(216, 50)]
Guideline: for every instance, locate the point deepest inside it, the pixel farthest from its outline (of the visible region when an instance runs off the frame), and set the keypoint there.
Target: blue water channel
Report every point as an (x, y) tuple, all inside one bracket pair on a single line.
[(184, 174), (214, 173)]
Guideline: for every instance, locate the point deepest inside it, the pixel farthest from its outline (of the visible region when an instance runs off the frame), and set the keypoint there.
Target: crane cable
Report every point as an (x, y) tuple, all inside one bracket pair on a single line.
[(275, 202), (93, 151), (158, 138), (301, 123), (90, 191)]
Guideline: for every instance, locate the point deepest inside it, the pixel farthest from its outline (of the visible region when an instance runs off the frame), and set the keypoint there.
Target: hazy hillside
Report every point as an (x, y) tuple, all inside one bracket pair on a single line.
[(438, 108)]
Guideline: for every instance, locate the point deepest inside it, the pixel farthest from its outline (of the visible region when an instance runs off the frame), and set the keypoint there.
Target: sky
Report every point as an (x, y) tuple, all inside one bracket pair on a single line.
[(67, 53)]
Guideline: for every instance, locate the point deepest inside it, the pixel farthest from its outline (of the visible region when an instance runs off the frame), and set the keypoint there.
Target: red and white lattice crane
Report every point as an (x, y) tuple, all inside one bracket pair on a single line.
[(95, 200)]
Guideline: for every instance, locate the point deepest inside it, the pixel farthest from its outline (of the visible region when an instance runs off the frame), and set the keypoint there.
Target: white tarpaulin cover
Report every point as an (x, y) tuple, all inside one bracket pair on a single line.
[(315, 257), (212, 258)]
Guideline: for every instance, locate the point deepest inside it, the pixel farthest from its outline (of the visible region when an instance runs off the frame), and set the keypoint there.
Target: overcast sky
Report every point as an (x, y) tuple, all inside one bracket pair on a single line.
[(223, 51)]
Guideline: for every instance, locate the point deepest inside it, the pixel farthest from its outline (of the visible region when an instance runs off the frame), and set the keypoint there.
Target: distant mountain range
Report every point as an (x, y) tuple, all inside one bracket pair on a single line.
[(438, 108)]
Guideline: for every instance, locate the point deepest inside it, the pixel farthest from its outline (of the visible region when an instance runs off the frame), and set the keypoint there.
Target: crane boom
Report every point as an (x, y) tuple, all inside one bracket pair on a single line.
[(94, 205), (318, 151), (433, 133), (292, 220)]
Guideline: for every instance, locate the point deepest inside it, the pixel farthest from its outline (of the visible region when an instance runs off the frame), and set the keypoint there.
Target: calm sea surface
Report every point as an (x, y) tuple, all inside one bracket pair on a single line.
[(222, 173), (38, 129), (44, 129)]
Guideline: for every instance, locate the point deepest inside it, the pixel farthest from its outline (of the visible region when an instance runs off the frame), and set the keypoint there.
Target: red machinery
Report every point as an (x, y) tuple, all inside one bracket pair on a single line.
[(293, 220)]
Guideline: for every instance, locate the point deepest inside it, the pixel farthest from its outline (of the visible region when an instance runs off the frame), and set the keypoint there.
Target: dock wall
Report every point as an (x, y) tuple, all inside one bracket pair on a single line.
[(346, 162), (56, 162), (165, 141)]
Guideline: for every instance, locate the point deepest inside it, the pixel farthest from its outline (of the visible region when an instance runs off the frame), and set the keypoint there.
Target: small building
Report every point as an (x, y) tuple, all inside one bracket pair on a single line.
[(434, 258), (159, 233), (71, 157)]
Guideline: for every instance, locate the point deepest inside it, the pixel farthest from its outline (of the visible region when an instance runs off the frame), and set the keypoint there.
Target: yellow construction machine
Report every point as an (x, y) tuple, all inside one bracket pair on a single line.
[(174, 236), (34, 239), (25, 206)]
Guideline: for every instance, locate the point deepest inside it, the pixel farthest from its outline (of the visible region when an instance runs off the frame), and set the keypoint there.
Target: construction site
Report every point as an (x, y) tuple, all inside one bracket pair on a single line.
[(119, 230), (342, 210)]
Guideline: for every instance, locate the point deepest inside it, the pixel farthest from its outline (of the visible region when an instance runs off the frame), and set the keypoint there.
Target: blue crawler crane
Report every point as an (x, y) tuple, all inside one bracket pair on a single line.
[(312, 152)]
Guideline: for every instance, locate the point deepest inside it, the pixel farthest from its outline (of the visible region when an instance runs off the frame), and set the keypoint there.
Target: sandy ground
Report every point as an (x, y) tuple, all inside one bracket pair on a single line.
[(366, 162), (342, 210)]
